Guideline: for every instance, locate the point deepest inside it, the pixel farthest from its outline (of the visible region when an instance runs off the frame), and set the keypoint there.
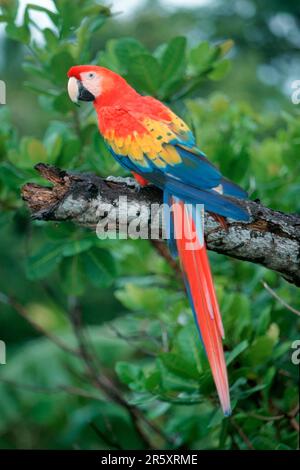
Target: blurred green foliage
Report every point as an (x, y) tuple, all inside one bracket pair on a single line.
[(136, 313)]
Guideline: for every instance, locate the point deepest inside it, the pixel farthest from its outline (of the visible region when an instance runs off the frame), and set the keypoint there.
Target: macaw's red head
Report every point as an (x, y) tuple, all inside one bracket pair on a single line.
[(92, 83)]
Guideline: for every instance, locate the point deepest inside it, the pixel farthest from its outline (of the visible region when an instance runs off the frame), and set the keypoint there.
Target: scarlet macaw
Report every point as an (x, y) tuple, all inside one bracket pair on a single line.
[(149, 140)]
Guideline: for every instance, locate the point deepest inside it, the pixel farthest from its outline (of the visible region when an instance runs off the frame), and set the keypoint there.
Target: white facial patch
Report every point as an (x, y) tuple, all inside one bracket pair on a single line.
[(73, 89), (92, 82)]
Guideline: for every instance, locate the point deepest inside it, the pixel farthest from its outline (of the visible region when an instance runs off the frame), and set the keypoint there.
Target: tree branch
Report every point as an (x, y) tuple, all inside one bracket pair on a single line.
[(271, 238)]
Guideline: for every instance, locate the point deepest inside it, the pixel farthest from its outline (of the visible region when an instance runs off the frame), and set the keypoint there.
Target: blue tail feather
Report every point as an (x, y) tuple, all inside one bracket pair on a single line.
[(169, 226)]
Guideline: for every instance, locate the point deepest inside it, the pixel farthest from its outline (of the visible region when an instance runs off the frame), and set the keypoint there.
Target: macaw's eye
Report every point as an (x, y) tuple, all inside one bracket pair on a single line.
[(91, 75)]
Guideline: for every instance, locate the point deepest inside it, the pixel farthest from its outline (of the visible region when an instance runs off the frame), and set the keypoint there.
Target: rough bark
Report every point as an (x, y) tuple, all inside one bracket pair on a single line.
[(271, 238)]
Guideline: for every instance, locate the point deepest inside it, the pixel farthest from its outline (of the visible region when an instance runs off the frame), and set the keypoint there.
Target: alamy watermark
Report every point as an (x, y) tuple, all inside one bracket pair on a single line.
[(2, 92), (125, 220), (296, 354), (2, 353), (296, 93)]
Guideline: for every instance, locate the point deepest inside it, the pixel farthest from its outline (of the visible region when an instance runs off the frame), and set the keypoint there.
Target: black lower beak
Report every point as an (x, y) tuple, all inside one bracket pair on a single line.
[(84, 94)]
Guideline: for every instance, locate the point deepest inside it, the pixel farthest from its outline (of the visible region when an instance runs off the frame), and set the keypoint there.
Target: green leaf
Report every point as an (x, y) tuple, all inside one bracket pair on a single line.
[(259, 351), (70, 151), (96, 9), (216, 419), (230, 357), (177, 365), (131, 375), (52, 15), (108, 58), (220, 70), (59, 232), (32, 69), (173, 58), (44, 261), (96, 24), (10, 7), (53, 143), (172, 378), (237, 315), (159, 51), (18, 33), (40, 90), (145, 73), (99, 267), (32, 151), (72, 275), (240, 394), (225, 47), (50, 38), (59, 66), (74, 247), (263, 321), (126, 49), (137, 298), (188, 346), (202, 57), (10, 175), (62, 103)]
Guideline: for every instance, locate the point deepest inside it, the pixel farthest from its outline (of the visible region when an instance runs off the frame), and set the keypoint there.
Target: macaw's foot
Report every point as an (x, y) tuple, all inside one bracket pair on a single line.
[(131, 182), (220, 220)]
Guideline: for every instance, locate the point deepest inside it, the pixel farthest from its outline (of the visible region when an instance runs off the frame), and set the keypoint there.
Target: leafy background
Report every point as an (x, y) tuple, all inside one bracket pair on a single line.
[(137, 325)]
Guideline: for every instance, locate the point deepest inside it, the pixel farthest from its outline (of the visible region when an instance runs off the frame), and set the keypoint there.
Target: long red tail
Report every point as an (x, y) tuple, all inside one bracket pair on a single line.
[(196, 269)]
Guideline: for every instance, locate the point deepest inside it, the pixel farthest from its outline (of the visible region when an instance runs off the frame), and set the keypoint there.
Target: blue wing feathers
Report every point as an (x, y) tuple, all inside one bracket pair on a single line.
[(213, 201), (195, 169), (232, 189), (193, 181)]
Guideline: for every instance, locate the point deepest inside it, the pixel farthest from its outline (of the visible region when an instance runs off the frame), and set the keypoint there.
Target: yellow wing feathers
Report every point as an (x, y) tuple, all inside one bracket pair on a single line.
[(152, 144)]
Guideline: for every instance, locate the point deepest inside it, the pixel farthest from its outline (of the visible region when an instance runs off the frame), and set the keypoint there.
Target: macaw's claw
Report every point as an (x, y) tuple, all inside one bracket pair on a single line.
[(131, 182)]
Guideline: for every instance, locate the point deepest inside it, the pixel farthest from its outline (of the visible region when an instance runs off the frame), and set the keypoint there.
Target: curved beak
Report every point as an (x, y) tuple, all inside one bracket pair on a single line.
[(77, 92)]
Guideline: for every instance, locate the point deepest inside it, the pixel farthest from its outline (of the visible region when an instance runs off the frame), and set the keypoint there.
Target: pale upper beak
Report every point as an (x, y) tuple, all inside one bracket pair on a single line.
[(77, 92), (73, 89)]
